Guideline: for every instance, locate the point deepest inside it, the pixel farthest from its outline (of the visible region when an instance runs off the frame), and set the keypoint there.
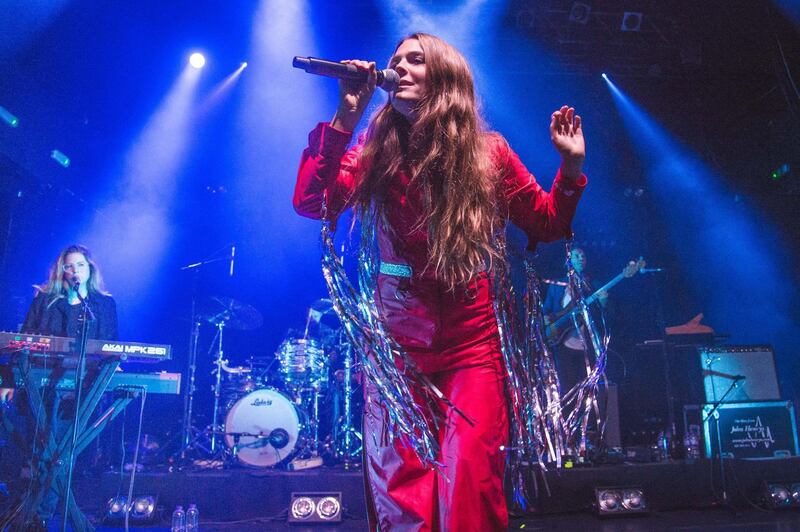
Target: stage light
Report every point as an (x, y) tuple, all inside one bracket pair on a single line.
[(197, 60), (115, 508), (315, 507), (328, 508), (302, 508), (243, 65), (8, 118), (631, 21), (609, 502), (795, 489), (141, 510), (603, 75), (780, 172), (580, 12), (60, 158), (781, 495), (632, 499)]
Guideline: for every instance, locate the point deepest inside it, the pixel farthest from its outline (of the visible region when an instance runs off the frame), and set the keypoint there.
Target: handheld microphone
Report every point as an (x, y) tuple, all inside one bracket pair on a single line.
[(233, 254), (387, 79), (75, 282)]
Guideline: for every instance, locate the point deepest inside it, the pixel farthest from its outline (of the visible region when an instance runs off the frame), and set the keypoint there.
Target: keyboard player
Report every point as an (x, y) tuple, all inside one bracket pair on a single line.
[(55, 311)]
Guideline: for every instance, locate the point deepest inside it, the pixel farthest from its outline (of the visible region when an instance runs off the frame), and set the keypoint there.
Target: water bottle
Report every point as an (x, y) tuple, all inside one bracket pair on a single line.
[(691, 441), (662, 447), (192, 519), (687, 445), (178, 520)]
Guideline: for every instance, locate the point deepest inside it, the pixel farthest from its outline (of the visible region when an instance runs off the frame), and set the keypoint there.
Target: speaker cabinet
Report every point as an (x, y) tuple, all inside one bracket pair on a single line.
[(748, 371)]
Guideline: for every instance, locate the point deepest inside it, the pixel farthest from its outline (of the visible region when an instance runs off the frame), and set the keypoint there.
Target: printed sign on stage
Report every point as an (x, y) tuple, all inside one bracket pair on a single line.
[(763, 429)]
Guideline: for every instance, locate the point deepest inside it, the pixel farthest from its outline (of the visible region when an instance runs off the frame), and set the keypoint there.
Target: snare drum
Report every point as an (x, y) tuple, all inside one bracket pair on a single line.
[(264, 426), (302, 363)]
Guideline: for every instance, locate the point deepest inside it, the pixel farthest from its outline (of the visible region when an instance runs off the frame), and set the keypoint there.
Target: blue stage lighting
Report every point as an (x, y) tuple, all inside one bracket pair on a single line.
[(8, 118), (59, 157), (197, 60), (712, 225)]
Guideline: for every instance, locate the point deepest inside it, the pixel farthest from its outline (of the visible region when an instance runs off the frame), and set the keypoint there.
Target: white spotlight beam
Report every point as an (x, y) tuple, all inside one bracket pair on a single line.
[(136, 223)]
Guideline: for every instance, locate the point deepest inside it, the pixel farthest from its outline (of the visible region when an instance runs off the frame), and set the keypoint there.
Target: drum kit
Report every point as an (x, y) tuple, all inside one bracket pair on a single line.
[(294, 409)]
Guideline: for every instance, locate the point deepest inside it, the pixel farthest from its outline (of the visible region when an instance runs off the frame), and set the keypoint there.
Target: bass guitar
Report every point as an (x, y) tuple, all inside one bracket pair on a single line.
[(561, 322)]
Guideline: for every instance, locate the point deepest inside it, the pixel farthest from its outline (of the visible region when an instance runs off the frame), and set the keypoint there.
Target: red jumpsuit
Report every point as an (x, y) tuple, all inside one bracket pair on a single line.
[(451, 335)]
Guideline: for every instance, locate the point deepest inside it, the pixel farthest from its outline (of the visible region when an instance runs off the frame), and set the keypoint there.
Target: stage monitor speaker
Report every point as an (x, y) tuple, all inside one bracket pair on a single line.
[(722, 366)]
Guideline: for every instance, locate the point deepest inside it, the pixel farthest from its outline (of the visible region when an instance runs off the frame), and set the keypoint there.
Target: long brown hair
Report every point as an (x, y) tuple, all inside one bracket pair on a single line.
[(54, 286), (445, 152)]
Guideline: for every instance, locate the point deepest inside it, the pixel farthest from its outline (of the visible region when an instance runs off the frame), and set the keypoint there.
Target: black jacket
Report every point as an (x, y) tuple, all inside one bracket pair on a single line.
[(61, 318)]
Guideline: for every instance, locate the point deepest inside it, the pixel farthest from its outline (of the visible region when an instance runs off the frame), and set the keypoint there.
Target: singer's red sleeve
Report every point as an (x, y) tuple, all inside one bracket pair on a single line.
[(326, 167), (544, 216)]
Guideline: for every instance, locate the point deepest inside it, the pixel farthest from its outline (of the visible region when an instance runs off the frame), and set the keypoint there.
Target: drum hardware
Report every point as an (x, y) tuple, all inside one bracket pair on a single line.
[(191, 435), (222, 312), (235, 314), (302, 363), (277, 438), (304, 367), (348, 440), (264, 428), (217, 388), (287, 425), (318, 308), (225, 312)]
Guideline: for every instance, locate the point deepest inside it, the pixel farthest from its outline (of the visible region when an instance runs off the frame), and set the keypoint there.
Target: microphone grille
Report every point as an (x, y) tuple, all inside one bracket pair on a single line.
[(390, 79)]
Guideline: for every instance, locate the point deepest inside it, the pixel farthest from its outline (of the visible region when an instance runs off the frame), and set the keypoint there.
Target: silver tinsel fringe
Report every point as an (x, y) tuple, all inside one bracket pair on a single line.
[(540, 434)]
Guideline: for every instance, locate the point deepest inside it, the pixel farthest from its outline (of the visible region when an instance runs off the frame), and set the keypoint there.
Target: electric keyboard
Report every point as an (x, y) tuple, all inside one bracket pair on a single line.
[(67, 347), (160, 383)]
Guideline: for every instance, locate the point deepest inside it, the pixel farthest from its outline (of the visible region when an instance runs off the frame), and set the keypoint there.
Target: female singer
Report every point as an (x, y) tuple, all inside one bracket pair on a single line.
[(443, 188), (56, 306)]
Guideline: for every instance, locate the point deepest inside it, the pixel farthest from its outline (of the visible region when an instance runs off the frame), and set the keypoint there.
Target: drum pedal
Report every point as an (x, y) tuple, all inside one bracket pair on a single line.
[(305, 463)]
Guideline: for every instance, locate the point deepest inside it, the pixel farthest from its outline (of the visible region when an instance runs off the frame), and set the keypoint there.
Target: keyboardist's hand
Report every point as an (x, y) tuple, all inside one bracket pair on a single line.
[(6, 395)]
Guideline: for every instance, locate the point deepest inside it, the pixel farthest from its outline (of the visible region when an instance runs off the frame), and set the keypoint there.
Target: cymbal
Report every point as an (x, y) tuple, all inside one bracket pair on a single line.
[(322, 306), (234, 314)]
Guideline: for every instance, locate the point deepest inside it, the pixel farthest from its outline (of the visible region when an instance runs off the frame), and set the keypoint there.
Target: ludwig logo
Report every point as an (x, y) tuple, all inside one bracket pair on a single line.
[(262, 402)]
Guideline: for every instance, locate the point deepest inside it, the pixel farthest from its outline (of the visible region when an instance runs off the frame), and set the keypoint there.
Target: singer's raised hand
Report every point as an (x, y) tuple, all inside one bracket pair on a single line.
[(567, 136), (354, 96)]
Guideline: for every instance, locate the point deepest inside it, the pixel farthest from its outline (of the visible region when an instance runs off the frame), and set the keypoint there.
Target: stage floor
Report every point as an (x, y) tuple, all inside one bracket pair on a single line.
[(681, 496), (715, 520)]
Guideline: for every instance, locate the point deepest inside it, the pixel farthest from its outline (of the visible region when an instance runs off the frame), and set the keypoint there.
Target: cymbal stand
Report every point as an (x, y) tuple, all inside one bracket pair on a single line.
[(349, 441), (190, 435), (188, 400), (218, 362), (315, 421)]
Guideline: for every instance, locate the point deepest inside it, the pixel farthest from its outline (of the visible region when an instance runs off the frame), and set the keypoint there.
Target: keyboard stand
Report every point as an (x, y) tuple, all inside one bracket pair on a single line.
[(51, 452)]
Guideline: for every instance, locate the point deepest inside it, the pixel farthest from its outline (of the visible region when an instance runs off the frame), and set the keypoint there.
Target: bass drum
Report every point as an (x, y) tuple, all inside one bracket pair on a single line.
[(267, 426)]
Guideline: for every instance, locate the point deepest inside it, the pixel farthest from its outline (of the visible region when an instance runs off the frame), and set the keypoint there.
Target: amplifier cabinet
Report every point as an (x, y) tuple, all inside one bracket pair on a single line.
[(764, 429), (720, 367)]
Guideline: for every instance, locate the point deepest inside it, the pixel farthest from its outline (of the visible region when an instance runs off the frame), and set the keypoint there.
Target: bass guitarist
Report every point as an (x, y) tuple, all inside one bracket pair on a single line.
[(569, 346)]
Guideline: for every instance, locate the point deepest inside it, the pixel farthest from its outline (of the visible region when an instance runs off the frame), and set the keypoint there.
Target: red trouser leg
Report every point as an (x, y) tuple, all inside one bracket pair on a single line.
[(469, 495), (402, 493)]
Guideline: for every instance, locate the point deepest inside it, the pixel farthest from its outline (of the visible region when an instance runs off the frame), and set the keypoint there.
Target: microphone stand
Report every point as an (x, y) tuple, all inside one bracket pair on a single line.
[(187, 441), (86, 317), (715, 412)]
